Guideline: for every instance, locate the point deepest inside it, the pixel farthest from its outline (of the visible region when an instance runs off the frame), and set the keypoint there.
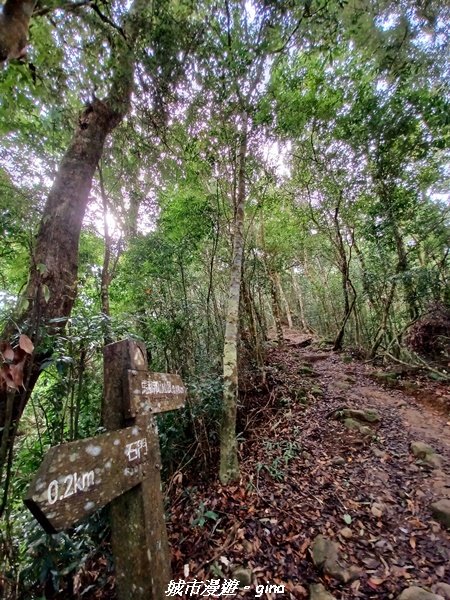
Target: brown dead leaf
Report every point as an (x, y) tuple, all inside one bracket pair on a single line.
[(400, 572), (8, 353), (26, 344), (374, 582), (376, 511), (304, 546), (17, 374), (7, 377)]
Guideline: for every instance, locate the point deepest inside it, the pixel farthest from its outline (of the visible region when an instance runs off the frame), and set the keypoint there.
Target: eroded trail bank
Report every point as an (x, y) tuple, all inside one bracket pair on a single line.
[(311, 468)]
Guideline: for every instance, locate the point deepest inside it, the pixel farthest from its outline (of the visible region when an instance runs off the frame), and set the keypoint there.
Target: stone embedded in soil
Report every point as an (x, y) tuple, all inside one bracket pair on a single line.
[(356, 426), (434, 460), (351, 424), (325, 556), (244, 576), (379, 453), (385, 377), (367, 415), (441, 589), (441, 511), (365, 430), (338, 460), (421, 450), (318, 592), (323, 549), (417, 593), (370, 415)]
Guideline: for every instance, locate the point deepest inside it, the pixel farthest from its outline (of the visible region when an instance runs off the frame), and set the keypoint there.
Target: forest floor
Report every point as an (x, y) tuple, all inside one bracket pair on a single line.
[(305, 473)]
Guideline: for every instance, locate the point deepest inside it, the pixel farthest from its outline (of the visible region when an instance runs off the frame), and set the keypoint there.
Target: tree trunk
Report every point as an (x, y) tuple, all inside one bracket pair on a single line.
[(271, 274), (256, 336), (229, 464), (299, 295), (382, 330), (106, 274), (51, 290), (276, 308), (403, 267), (386, 195), (284, 301), (345, 277)]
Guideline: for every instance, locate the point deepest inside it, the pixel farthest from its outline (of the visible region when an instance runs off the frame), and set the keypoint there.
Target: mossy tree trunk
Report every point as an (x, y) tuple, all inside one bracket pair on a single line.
[(229, 463)]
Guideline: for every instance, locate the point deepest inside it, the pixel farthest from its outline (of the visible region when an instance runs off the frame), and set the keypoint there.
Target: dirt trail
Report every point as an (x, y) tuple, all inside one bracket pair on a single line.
[(421, 422), (305, 473), (352, 385)]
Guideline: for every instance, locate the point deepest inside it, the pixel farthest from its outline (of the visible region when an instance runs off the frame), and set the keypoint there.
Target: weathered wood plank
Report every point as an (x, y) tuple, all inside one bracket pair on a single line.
[(76, 479), (153, 392), (138, 531)]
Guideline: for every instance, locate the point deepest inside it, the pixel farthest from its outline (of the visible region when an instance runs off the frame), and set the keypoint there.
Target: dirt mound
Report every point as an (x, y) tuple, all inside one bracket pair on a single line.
[(430, 335)]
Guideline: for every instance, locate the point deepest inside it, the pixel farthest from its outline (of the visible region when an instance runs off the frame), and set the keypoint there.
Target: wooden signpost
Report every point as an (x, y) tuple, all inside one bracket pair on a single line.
[(121, 468), (76, 479)]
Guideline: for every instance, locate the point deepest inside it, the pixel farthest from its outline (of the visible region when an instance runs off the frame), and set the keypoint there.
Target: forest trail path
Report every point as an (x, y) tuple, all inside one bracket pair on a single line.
[(304, 473), (353, 385)]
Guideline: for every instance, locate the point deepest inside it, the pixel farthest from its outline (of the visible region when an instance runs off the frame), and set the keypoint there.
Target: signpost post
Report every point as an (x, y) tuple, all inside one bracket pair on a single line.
[(121, 468)]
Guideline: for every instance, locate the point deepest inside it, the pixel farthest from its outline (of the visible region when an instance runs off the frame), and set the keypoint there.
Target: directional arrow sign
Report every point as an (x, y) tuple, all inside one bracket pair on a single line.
[(153, 392), (76, 479)]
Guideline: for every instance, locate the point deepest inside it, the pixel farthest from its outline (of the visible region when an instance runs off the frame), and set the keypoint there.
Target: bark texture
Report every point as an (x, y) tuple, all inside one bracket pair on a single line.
[(344, 267), (229, 464)]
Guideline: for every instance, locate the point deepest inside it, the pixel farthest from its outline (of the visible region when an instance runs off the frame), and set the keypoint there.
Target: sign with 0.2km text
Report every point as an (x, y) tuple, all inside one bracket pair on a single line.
[(77, 478)]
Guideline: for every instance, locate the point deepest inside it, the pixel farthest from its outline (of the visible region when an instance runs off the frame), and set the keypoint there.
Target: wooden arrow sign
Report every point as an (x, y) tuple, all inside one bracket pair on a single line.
[(153, 392), (76, 479)]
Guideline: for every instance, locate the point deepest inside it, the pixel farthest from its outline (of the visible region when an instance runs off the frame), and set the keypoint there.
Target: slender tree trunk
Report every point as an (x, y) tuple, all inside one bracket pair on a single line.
[(276, 308), (211, 265), (255, 335), (403, 267), (386, 195), (106, 275), (299, 296), (284, 301), (345, 277), (51, 290), (229, 464), (261, 313), (382, 330)]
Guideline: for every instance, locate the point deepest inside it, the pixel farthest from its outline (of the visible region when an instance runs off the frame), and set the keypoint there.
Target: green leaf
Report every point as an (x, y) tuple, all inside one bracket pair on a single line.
[(347, 518), (46, 292), (23, 304), (211, 515)]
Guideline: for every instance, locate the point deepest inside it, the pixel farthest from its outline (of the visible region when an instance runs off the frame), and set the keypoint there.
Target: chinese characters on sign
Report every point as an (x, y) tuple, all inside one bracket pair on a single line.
[(157, 388), (134, 449), (77, 478)]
